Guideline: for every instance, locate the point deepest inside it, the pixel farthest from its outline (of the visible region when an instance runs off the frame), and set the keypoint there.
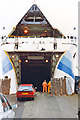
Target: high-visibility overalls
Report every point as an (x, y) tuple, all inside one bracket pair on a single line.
[(49, 87), (44, 84)]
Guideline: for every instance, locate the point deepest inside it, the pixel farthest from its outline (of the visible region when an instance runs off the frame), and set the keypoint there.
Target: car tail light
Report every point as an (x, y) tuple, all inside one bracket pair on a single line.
[(18, 93), (31, 92)]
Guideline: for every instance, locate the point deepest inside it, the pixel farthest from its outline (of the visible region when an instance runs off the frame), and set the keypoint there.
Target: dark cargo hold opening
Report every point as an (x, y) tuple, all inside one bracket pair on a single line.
[(35, 71), (34, 67)]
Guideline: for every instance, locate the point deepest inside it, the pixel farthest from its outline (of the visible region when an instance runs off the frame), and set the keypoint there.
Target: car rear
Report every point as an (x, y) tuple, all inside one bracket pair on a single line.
[(25, 91)]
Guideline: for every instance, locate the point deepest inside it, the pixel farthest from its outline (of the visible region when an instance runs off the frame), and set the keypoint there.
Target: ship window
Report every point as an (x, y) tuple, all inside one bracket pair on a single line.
[(64, 37), (55, 46), (71, 37), (38, 20), (75, 38), (68, 37), (35, 7), (29, 20)]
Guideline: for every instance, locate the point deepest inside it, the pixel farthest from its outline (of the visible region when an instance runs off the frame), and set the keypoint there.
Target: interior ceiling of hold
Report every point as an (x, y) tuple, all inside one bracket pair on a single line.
[(35, 24)]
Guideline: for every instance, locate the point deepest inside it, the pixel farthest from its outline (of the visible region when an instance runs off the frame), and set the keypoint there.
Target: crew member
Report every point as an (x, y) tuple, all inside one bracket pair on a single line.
[(44, 84), (49, 86)]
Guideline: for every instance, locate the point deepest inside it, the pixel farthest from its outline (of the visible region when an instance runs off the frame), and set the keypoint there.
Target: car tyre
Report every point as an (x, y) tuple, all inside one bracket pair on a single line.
[(18, 99), (32, 98)]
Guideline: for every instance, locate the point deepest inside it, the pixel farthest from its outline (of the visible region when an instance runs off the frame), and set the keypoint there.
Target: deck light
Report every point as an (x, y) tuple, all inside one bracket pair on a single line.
[(46, 61), (57, 56), (45, 31), (26, 61), (19, 60), (13, 56), (26, 31)]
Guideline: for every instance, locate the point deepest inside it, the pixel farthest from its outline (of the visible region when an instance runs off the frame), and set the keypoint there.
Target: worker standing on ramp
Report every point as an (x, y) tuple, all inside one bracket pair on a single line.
[(44, 84), (49, 86)]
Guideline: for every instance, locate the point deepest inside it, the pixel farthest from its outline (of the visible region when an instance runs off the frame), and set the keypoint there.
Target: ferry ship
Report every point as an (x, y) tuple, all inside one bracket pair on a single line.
[(35, 48)]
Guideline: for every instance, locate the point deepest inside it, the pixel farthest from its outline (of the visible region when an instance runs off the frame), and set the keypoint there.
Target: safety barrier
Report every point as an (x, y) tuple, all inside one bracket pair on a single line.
[(58, 86), (5, 86)]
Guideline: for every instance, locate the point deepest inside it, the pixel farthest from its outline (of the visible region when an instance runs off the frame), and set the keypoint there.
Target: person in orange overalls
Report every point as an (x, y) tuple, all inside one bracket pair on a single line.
[(49, 86), (44, 84)]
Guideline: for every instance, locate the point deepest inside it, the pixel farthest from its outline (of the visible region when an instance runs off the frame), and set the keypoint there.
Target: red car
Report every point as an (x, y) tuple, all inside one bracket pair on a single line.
[(25, 91)]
